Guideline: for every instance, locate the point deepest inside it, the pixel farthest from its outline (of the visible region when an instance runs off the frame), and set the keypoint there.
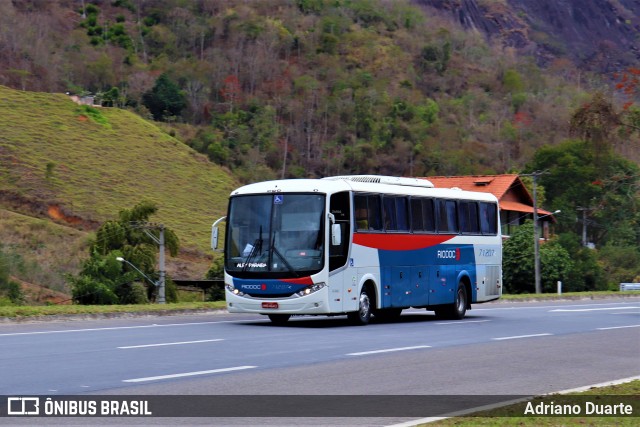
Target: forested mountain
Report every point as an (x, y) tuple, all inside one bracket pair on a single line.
[(309, 88), (596, 35)]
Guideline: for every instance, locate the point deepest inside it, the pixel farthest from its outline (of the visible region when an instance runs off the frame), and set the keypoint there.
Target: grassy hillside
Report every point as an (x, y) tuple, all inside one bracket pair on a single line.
[(40, 251), (81, 166)]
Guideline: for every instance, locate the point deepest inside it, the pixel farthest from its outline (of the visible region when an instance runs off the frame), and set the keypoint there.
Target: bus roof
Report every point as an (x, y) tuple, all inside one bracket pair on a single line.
[(362, 183)]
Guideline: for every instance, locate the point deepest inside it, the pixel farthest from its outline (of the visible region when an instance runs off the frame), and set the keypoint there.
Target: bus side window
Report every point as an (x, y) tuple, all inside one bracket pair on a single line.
[(361, 212), (488, 218), (402, 214), (395, 213), (428, 215), (468, 216), (389, 213), (416, 215), (447, 216), (375, 214), (367, 212), (423, 217)]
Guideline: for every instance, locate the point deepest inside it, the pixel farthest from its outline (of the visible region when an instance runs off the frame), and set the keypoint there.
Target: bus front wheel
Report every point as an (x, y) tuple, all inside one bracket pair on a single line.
[(363, 315)]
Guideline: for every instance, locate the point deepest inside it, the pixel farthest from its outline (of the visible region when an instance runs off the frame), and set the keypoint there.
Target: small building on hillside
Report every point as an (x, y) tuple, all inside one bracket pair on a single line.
[(84, 100), (516, 204)]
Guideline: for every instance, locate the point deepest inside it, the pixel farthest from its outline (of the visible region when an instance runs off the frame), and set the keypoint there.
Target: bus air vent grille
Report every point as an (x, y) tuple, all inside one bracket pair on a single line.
[(381, 179)]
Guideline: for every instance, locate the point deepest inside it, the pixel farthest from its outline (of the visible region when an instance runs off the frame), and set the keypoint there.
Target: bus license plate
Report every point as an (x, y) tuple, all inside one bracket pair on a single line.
[(269, 305)]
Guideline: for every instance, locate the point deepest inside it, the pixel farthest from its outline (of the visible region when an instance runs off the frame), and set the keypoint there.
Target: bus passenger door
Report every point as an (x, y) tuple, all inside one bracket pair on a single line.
[(419, 286)]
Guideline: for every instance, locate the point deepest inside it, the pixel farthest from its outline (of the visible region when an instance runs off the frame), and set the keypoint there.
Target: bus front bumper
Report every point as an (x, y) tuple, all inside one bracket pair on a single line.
[(315, 303)]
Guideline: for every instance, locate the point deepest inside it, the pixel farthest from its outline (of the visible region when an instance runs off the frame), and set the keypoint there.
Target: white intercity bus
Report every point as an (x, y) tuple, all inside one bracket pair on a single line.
[(359, 245)]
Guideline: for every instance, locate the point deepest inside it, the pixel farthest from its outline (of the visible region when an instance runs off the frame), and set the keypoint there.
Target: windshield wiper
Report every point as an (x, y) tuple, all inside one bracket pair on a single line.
[(284, 260), (257, 248)]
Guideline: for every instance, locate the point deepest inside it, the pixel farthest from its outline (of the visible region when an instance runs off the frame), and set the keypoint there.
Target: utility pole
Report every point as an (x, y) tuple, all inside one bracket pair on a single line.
[(161, 280), (536, 239), (584, 225), (145, 226)]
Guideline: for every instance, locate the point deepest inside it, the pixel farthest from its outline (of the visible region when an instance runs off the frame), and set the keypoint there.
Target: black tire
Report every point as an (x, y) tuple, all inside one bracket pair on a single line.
[(458, 309), (279, 319), (363, 315)]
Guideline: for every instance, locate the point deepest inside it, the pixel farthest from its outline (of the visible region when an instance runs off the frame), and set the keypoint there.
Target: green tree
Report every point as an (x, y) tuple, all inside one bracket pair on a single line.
[(435, 57), (586, 274), (99, 280), (518, 262), (608, 186), (105, 280), (512, 81), (595, 123), (622, 264), (165, 99)]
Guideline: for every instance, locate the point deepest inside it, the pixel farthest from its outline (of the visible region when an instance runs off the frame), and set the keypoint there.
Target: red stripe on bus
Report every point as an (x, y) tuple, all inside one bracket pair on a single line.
[(399, 242), (299, 281)]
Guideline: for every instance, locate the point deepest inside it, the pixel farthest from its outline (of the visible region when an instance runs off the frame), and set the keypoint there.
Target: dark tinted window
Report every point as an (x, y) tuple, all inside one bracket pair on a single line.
[(447, 216), (488, 218), (375, 218), (395, 213), (367, 212), (422, 215), (468, 216)]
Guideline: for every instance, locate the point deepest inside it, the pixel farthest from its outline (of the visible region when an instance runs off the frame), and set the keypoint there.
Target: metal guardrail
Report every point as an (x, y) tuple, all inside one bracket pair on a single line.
[(629, 286)]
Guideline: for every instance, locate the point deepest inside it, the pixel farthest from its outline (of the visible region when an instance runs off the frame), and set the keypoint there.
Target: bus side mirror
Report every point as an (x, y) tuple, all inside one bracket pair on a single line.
[(214, 233), (214, 238), (336, 235)]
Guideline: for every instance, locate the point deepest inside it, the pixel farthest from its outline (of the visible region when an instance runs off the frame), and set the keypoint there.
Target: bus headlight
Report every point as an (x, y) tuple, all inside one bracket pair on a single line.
[(234, 291), (311, 289)]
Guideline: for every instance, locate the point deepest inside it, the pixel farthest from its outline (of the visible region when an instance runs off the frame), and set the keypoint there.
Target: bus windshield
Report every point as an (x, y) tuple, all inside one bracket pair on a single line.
[(275, 235)]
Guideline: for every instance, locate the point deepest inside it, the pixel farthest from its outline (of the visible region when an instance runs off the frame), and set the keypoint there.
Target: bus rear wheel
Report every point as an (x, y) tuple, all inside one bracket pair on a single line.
[(458, 309), (279, 319), (363, 315)]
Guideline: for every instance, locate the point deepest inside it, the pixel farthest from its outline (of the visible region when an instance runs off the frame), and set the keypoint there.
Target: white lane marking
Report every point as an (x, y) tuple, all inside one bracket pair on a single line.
[(188, 374), (115, 328), (590, 309), (618, 327), (462, 322), (170, 343), (521, 336), (388, 350), (520, 308)]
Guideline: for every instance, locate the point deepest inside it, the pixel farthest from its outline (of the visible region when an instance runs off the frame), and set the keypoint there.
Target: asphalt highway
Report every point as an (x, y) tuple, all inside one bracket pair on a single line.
[(498, 349)]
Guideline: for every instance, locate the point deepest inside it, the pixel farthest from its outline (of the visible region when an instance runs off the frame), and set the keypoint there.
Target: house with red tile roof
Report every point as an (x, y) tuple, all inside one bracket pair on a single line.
[(516, 204)]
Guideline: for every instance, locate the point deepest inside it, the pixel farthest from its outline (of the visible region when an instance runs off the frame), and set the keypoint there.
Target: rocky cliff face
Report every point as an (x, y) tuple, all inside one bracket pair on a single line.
[(601, 35)]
